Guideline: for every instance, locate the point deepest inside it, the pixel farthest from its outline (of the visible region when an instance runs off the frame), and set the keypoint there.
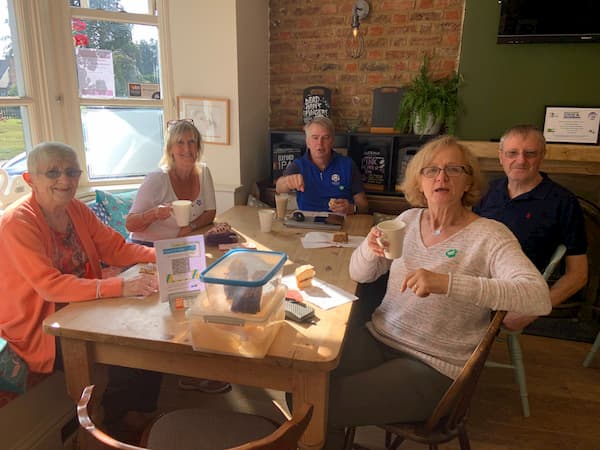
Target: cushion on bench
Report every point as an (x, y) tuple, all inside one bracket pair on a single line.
[(117, 206), (100, 211)]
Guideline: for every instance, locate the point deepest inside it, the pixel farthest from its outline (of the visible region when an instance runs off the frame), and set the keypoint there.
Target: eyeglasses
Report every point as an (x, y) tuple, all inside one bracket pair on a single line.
[(170, 123), (451, 171), (53, 174), (527, 154)]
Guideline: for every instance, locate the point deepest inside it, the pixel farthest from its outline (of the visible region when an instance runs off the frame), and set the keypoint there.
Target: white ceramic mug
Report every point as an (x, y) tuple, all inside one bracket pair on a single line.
[(392, 237), (182, 210), (265, 217), (281, 201)]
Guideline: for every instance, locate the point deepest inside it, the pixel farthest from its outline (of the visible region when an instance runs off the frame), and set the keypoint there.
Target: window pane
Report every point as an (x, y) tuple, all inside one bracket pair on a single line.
[(12, 134), (132, 48), (130, 6), (122, 142), (14, 122)]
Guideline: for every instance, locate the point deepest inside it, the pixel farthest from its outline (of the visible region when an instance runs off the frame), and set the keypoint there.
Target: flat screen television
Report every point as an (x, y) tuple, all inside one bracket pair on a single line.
[(537, 21)]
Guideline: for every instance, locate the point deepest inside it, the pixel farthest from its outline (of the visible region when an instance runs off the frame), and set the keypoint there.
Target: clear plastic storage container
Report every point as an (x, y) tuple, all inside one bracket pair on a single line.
[(243, 306)]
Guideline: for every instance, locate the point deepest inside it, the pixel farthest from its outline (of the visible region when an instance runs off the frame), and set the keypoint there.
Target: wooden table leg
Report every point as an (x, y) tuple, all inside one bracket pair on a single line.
[(313, 388), (78, 365)]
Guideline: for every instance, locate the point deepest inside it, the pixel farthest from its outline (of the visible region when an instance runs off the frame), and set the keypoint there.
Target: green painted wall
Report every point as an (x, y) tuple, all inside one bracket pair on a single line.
[(509, 84)]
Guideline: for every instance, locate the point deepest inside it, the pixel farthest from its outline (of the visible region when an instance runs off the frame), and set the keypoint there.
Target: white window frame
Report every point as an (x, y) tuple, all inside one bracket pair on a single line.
[(50, 76)]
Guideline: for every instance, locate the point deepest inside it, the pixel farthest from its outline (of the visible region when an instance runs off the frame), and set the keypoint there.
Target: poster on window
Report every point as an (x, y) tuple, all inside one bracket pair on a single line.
[(95, 72), (144, 90)]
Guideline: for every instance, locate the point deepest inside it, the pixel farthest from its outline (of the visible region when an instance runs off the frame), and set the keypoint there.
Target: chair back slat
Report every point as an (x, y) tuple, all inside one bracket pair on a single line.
[(88, 425), (453, 406), (554, 260), (285, 437)]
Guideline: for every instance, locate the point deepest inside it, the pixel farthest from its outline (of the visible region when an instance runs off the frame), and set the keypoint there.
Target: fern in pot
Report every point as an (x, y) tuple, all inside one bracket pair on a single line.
[(429, 104)]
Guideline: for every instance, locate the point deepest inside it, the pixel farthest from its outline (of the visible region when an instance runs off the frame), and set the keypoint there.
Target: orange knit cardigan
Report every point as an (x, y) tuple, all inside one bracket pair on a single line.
[(30, 285)]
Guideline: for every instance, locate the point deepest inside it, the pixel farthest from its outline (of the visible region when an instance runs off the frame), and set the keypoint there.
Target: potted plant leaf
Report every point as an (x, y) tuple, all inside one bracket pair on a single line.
[(428, 105)]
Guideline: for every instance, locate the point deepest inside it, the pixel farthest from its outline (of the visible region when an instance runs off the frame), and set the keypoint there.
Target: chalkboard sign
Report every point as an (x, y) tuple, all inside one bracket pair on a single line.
[(386, 106), (316, 103), (283, 155), (404, 156), (373, 165)]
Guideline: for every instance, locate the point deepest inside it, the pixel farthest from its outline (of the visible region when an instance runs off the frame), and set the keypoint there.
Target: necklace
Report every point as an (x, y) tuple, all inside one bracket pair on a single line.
[(437, 232)]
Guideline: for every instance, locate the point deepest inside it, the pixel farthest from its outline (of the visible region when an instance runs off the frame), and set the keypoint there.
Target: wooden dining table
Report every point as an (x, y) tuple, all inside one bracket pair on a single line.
[(144, 333)]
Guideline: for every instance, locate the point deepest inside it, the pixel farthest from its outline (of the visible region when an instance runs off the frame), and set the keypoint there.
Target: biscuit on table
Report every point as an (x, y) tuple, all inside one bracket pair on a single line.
[(340, 236)]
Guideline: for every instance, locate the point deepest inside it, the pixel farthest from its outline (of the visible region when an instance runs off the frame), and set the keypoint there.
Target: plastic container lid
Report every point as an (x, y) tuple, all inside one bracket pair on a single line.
[(260, 267)]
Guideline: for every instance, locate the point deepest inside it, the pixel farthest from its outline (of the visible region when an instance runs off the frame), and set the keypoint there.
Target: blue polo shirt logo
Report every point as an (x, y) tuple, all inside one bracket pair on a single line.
[(335, 179)]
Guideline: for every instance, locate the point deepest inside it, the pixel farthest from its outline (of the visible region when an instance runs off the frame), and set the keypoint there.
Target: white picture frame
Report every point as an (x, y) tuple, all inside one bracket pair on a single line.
[(210, 115), (572, 125)]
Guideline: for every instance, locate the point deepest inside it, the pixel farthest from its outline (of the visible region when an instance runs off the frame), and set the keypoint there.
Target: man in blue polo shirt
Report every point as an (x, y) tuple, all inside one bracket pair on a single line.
[(541, 213), (323, 179)]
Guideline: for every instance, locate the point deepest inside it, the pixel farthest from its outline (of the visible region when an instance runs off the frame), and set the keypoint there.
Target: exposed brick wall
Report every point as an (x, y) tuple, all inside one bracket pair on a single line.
[(307, 47)]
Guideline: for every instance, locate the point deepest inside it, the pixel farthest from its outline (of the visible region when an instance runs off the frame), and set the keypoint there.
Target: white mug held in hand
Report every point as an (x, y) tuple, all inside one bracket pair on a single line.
[(265, 217), (182, 210), (392, 237)]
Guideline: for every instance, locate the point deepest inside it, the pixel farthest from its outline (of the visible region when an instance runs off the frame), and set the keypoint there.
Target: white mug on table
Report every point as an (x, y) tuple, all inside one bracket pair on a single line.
[(265, 218)]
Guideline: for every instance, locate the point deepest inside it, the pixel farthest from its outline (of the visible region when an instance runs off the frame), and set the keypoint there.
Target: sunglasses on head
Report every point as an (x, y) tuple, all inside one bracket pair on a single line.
[(170, 123)]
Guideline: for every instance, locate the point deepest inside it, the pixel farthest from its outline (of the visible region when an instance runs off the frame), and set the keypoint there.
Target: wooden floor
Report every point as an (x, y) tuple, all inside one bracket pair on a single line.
[(564, 399)]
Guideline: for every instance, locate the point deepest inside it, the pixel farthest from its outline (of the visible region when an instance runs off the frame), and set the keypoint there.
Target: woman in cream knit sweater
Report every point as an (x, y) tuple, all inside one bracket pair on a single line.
[(455, 268)]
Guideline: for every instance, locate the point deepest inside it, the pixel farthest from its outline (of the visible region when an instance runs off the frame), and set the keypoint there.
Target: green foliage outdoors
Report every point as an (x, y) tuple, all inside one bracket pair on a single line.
[(133, 63), (425, 97), (11, 138)]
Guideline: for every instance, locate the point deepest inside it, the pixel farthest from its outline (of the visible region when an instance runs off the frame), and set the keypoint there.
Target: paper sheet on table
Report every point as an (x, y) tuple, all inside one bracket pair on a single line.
[(321, 294), (319, 239)]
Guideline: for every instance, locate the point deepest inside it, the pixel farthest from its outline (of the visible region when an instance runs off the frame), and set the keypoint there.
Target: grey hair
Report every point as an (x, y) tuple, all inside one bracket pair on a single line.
[(523, 131), (49, 150), (325, 122)]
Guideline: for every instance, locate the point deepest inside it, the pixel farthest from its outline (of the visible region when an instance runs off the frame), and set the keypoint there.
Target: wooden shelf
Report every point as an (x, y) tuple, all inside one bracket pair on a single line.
[(560, 158)]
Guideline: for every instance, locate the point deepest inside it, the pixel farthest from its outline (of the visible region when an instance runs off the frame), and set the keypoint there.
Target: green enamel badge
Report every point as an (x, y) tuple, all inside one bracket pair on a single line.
[(451, 253)]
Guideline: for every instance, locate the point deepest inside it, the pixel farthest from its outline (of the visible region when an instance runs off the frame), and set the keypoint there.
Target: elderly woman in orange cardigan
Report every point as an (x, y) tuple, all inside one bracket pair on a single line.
[(51, 247)]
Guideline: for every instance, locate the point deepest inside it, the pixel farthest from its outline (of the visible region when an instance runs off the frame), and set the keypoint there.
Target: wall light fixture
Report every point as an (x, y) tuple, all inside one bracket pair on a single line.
[(355, 43)]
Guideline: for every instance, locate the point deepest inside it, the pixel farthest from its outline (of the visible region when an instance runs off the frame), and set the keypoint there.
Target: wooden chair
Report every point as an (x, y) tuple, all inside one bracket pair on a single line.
[(449, 418), (588, 358), (11, 188), (198, 429), (514, 346), (591, 303)]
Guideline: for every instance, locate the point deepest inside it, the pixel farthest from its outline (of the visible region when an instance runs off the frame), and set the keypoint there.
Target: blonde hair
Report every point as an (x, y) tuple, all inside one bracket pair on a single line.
[(411, 186), (173, 134)]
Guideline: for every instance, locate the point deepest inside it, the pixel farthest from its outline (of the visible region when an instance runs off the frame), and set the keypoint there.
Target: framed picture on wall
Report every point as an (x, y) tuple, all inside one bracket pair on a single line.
[(210, 115), (572, 125)]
